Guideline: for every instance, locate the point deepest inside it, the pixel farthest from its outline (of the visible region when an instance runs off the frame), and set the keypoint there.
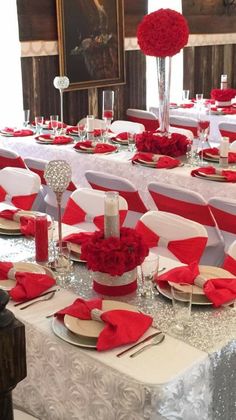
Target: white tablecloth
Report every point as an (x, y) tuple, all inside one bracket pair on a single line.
[(214, 135), (118, 164)]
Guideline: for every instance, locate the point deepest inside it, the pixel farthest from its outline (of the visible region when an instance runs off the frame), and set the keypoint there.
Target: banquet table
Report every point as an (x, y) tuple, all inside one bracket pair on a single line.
[(117, 164), (215, 119), (185, 378)]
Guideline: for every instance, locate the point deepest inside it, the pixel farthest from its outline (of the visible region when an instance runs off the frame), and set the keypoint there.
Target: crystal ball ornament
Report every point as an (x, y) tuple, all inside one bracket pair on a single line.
[(61, 82), (58, 175)]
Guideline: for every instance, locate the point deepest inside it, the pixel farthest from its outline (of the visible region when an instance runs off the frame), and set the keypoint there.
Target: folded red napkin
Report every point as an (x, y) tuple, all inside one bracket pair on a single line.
[(18, 133), (215, 152), (96, 148), (120, 326), (78, 238), (62, 140), (230, 176), (73, 129), (98, 132), (160, 162), (28, 285), (218, 290), (187, 105), (122, 136), (60, 125), (230, 111)]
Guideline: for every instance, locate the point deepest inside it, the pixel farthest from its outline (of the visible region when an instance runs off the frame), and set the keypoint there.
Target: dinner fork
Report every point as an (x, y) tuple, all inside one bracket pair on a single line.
[(156, 340), (50, 296)]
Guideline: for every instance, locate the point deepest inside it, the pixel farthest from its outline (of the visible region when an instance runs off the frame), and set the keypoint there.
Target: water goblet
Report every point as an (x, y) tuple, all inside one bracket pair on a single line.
[(149, 270), (63, 264), (203, 132), (81, 131), (54, 121), (39, 121), (26, 113), (199, 100), (107, 108), (131, 142), (182, 302), (185, 95)]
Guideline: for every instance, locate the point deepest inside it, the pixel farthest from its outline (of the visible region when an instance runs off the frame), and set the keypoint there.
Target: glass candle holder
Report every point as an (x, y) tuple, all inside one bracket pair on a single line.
[(111, 214)]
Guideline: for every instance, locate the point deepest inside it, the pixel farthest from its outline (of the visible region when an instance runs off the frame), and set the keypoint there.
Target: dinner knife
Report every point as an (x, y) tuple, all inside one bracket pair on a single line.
[(137, 344), (35, 298)]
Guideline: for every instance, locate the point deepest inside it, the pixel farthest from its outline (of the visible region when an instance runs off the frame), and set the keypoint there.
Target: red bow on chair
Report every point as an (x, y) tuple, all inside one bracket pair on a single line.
[(74, 214), (24, 202), (186, 250)]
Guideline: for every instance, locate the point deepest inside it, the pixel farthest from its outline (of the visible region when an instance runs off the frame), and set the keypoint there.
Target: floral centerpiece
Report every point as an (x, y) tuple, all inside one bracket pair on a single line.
[(114, 261), (163, 34), (223, 96), (153, 142)]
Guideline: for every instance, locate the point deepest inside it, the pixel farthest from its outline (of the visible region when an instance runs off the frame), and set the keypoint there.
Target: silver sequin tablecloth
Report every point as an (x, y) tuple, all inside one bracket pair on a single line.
[(188, 379)]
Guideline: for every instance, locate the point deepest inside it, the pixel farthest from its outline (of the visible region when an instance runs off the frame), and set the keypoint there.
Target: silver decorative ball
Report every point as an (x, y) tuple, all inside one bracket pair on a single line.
[(61, 82), (58, 175)]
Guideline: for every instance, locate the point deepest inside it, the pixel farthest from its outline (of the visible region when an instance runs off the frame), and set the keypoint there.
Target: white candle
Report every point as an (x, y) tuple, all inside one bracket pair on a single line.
[(223, 81), (224, 147), (90, 123), (111, 214)]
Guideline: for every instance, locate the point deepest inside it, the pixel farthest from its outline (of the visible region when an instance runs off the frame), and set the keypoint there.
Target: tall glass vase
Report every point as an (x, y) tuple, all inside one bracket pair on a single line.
[(163, 80)]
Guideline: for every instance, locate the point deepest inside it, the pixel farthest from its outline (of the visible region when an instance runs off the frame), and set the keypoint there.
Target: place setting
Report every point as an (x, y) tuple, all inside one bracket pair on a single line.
[(211, 173), (93, 147), (156, 161)]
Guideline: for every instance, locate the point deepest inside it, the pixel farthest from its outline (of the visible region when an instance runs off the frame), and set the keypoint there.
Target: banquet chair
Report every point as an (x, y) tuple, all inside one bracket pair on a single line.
[(108, 182), (47, 200), (85, 209), (21, 185), (121, 126), (184, 123), (10, 158), (224, 212), (229, 263), (147, 118), (228, 129), (193, 206), (99, 124), (173, 236)]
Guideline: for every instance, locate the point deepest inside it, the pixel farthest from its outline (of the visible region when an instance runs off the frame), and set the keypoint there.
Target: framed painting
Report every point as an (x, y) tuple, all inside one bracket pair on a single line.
[(91, 42)]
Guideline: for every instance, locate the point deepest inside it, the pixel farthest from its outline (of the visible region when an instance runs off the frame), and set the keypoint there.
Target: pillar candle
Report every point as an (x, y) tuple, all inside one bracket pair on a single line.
[(41, 239), (224, 152), (111, 214), (223, 81)]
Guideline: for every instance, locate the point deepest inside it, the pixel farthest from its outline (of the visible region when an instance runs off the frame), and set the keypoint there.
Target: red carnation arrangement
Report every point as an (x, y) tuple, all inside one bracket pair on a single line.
[(223, 95), (173, 145), (114, 256), (162, 33)]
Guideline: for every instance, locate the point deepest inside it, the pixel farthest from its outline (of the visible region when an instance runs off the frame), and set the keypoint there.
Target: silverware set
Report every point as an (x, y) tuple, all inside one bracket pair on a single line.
[(41, 298), (156, 338)]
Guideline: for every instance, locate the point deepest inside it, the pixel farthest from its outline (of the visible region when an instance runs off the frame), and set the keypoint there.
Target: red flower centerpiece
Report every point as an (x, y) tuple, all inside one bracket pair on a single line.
[(223, 96), (114, 261), (154, 142), (162, 34)]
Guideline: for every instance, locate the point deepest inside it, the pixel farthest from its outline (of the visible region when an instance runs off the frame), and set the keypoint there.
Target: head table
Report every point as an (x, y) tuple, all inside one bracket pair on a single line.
[(117, 164), (189, 378)]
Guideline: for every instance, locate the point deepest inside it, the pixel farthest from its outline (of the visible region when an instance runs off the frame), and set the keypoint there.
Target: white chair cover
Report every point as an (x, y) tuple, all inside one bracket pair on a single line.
[(224, 211), (121, 126)]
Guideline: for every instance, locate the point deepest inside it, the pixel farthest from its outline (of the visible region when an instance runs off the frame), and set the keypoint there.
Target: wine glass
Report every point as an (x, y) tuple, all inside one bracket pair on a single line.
[(149, 269), (203, 132), (81, 131), (26, 117), (39, 121), (54, 121), (107, 108)]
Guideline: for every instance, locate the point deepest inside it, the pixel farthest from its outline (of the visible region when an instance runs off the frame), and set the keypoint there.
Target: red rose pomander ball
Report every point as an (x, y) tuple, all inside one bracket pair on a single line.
[(162, 33)]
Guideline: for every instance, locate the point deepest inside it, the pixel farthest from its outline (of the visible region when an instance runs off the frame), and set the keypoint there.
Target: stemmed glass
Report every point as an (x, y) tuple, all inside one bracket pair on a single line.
[(107, 108), (149, 269), (203, 132), (39, 121), (54, 123), (26, 117), (81, 131)]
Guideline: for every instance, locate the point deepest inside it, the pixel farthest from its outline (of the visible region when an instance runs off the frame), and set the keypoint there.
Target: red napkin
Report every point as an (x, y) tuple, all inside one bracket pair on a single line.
[(78, 238), (215, 151), (218, 291), (72, 129), (230, 111), (60, 125), (186, 105), (97, 132), (97, 148), (18, 133), (62, 140), (230, 176), (45, 137), (122, 136), (28, 285), (162, 162), (120, 326)]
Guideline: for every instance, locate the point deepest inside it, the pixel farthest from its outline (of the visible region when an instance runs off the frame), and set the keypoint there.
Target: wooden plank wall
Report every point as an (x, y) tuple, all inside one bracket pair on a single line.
[(37, 22), (203, 65)]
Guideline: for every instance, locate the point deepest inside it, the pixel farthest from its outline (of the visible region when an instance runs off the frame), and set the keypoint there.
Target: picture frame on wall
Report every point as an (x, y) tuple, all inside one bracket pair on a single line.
[(91, 42)]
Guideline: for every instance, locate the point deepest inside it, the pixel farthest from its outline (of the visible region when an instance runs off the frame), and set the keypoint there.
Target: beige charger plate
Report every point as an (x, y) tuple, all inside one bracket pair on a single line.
[(21, 266), (62, 332), (198, 298), (90, 328), (76, 252), (11, 227), (211, 177)]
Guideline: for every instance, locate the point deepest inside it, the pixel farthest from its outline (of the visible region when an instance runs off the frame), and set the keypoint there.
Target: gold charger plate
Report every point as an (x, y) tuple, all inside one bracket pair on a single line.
[(11, 227), (90, 328), (62, 332), (211, 177), (76, 252), (21, 266)]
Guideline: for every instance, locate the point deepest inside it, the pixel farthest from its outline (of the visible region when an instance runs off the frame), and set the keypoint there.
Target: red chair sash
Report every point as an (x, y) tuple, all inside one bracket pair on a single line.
[(23, 202), (132, 197), (198, 212), (12, 162), (230, 134), (229, 264), (186, 127), (74, 214), (224, 220), (150, 125), (186, 250)]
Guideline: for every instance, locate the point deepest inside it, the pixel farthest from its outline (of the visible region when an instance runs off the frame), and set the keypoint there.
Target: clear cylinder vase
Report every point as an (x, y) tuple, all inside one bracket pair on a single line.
[(163, 80)]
